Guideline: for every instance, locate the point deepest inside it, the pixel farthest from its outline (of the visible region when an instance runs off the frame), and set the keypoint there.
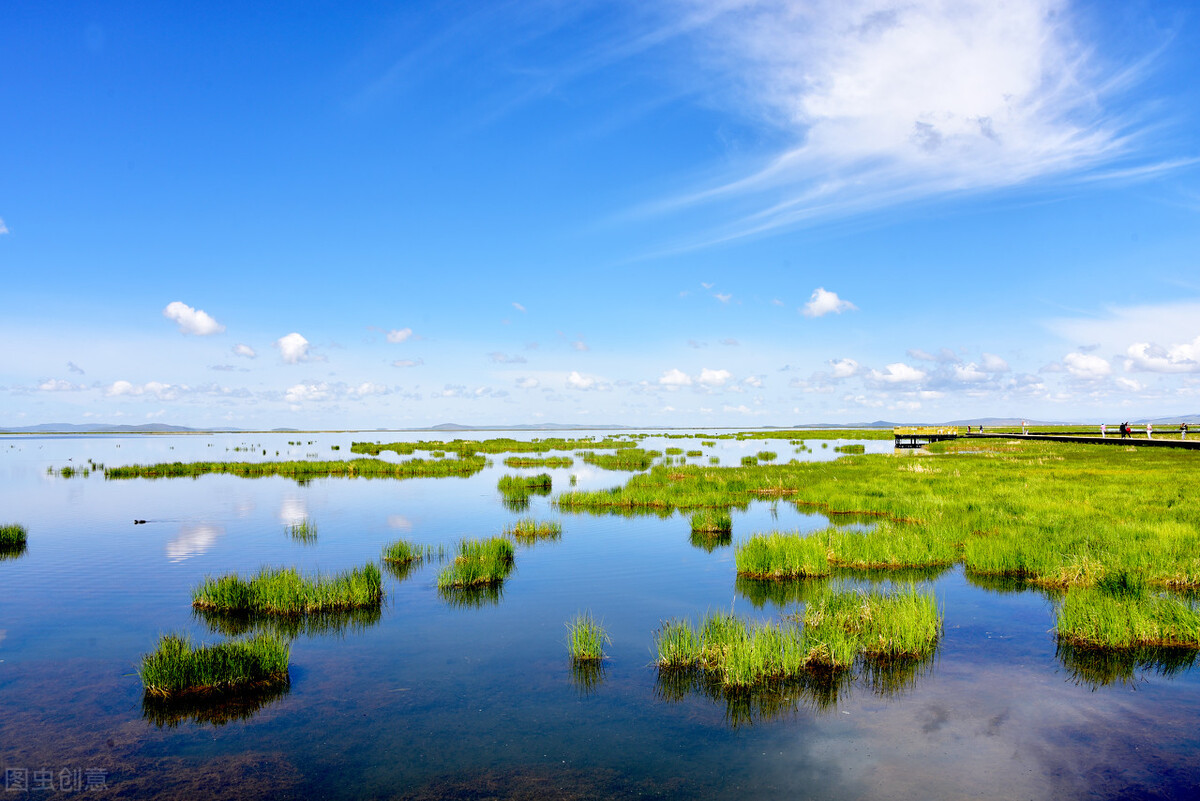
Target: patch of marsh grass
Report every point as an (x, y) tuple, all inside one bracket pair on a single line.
[(284, 591), (12, 535), (550, 462), (406, 552), (307, 470), (528, 530), (305, 531), (478, 563), (179, 667), (782, 556), (586, 638), (712, 521), (634, 459), (851, 449), (1100, 618)]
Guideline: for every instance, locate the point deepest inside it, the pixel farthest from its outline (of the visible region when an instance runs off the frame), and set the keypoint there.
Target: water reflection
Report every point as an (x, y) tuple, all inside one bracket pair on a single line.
[(193, 540), (472, 597), (13, 550), (711, 540), (1101, 667), (214, 710), (293, 511), (761, 592), (587, 675), (1005, 585), (816, 692), (339, 623)]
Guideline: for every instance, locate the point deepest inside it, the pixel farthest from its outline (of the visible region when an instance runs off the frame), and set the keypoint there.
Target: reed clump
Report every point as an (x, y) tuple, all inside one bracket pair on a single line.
[(634, 459), (551, 462), (12, 535), (712, 521), (284, 591), (525, 485), (178, 667), (478, 563), (782, 556), (839, 628), (852, 448), (586, 638), (305, 531), (1099, 617), (402, 552), (307, 470), (528, 530)]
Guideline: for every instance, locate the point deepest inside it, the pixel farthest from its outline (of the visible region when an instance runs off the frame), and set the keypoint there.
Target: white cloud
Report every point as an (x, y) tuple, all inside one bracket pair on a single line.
[(898, 373), (398, 335), (191, 321), (156, 388), (824, 302), (675, 378), (58, 385), (1084, 365), (969, 373), (298, 393), (714, 378), (1130, 384), (504, 358), (367, 388), (245, 351), (408, 362), (579, 344), (843, 368), (724, 298), (3, 227), (577, 380), (1151, 358), (893, 100), (994, 364), (293, 348), (527, 383), (753, 381), (518, 307)]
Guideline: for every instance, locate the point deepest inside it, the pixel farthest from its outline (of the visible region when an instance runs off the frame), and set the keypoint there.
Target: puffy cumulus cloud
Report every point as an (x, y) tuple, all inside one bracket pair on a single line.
[(675, 378), (245, 351), (58, 385), (1151, 358), (398, 335), (191, 321), (930, 394), (366, 389), (504, 358), (969, 373), (576, 380), (299, 393), (408, 362), (898, 373), (843, 368), (293, 348), (824, 302), (714, 378), (994, 364), (1086, 366), (527, 383), (753, 381)]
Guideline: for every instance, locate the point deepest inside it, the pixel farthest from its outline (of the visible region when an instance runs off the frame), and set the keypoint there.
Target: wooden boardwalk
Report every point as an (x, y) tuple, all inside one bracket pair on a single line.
[(1163, 440)]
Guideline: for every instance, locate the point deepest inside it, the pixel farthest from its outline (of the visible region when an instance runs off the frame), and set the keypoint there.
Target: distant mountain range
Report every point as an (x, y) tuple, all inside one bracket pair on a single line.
[(162, 428)]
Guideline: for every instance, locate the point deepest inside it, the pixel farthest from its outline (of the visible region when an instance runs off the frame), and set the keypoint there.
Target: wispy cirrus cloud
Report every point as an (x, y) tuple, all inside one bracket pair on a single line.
[(890, 101)]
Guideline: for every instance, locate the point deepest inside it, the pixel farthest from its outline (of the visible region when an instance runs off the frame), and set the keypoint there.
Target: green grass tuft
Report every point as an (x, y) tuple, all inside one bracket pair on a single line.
[(528, 530), (479, 563), (284, 591), (178, 667), (12, 534), (586, 638)]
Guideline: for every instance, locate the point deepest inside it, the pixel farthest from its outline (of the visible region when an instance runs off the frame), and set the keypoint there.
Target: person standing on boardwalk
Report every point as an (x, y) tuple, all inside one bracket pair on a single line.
[(1124, 430), (1024, 427), (1149, 430), (1103, 428), (1183, 430)]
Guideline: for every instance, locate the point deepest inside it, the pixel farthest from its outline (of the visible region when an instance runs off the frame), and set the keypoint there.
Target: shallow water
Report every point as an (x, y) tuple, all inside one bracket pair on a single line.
[(477, 699)]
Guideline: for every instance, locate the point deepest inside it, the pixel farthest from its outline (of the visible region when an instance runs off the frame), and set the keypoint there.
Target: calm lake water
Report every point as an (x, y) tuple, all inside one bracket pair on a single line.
[(433, 698)]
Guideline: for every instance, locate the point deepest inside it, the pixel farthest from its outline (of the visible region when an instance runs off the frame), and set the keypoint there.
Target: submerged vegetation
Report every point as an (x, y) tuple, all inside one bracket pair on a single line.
[(306, 470), (305, 531), (179, 667), (284, 591)]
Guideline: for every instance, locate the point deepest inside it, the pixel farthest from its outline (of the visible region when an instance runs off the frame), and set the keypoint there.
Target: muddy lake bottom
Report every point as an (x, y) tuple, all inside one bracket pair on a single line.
[(473, 696)]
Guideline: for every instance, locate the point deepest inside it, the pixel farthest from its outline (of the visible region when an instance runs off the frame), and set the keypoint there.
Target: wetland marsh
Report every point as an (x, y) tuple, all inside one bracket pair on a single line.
[(989, 620)]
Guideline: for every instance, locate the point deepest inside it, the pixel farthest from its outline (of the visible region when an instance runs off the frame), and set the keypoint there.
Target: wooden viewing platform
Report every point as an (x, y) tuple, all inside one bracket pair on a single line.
[(916, 436)]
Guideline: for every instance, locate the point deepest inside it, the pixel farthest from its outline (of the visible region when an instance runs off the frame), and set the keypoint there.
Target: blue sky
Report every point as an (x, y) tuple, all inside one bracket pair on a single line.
[(698, 213)]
